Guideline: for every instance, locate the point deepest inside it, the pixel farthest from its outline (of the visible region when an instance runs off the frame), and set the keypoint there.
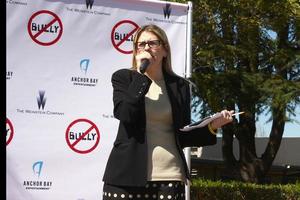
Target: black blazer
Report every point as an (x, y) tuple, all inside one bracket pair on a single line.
[(127, 163)]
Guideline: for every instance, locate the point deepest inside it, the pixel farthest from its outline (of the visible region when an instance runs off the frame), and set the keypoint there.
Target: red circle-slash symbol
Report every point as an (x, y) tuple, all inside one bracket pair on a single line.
[(40, 31), (118, 39), (9, 131), (82, 136)]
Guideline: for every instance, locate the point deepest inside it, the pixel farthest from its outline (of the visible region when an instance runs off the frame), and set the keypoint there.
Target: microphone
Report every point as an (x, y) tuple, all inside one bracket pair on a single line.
[(145, 63)]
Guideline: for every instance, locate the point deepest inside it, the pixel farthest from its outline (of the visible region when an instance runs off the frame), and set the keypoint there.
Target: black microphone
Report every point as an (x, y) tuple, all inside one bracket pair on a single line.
[(145, 63)]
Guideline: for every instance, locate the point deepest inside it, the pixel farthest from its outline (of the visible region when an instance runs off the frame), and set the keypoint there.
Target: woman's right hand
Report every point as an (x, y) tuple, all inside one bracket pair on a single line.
[(141, 56)]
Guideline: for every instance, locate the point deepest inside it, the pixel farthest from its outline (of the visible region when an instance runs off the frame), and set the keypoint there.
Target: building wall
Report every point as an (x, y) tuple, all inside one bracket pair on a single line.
[(288, 153)]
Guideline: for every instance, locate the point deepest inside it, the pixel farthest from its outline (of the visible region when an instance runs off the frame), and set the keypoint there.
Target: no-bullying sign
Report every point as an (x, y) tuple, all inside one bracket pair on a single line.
[(122, 35), (9, 131), (45, 27), (82, 136)]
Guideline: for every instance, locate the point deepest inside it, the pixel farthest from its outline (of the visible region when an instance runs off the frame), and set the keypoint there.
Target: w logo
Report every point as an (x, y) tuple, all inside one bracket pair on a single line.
[(41, 100), (167, 10), (89, 3)]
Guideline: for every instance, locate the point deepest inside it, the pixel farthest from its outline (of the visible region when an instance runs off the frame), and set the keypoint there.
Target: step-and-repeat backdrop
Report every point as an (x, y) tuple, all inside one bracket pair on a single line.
[(60, 57)]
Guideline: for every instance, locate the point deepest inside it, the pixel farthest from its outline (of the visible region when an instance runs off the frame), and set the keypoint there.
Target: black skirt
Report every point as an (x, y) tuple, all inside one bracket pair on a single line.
[(159, 190)]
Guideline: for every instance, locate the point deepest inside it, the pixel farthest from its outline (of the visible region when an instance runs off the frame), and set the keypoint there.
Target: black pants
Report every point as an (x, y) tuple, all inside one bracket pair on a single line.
[(159, 190)]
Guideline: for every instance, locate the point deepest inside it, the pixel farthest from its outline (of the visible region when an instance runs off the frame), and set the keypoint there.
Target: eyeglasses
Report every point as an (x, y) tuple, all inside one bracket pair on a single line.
[(151, 44)]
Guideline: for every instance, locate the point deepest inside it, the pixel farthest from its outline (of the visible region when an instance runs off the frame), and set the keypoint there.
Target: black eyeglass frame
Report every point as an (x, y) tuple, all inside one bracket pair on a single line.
[(151, 44)]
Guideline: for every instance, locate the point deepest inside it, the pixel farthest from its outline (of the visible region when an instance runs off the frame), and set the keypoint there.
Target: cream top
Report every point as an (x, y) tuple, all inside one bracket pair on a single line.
[(164, 162)]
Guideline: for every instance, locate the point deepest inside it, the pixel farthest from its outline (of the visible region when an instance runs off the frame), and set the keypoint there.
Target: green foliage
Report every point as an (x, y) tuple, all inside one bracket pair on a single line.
[(246, 53), (217, 190)]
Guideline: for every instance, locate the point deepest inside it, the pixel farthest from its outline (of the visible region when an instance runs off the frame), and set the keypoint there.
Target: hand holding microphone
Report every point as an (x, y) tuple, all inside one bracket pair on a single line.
[(145, 61)]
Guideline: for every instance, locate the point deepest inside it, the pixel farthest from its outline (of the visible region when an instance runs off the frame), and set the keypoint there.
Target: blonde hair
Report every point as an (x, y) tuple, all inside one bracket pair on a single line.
[(166, 62)]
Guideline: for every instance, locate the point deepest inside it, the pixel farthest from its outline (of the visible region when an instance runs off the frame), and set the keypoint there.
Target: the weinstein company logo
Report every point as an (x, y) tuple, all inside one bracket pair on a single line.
[(89, 3), (167, 11), (88, 10), (37, 184), (41, 100)]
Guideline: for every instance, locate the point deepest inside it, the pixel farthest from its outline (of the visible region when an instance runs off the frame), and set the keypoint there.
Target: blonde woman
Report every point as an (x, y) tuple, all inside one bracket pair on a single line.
[(147, 160)]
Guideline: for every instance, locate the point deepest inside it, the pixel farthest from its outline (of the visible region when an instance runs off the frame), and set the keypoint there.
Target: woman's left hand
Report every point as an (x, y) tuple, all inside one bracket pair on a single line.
[(224, 119)]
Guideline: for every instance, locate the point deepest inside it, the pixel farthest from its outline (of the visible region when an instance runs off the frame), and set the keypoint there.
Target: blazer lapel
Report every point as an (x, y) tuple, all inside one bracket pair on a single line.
[(174, 97)]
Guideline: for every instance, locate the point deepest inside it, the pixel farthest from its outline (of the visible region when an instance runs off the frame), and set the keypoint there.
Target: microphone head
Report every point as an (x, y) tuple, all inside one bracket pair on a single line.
[(145, 63)]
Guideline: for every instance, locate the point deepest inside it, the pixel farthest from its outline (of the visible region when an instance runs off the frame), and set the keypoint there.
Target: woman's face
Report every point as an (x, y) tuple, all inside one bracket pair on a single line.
[(149, 43)]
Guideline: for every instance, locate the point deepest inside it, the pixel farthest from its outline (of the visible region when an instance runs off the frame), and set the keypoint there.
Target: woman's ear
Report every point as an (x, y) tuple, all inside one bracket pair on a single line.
[(165, 51)]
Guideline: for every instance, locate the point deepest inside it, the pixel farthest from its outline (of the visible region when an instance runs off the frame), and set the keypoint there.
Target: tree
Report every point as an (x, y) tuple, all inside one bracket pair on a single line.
[(246, 57)]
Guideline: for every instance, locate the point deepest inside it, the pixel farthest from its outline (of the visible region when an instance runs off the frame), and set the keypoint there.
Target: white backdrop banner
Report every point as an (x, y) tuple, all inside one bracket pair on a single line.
[(60, 58)]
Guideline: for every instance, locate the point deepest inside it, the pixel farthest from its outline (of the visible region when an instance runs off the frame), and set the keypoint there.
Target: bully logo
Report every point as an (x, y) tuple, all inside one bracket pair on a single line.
[(9, 131), (167, 11), (89, 3), (45, 27), (41, 100)]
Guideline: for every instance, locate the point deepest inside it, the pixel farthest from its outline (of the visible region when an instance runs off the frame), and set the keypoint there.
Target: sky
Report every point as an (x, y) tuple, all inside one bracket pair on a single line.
[(291, 129)]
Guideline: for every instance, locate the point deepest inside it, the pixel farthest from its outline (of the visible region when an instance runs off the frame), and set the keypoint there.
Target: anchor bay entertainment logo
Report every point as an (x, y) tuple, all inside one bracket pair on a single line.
[(9, 75), (84, 80), (37, 183)]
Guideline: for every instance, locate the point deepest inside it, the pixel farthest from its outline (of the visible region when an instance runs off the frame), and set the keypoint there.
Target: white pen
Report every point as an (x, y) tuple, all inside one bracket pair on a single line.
[(239, 113)]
